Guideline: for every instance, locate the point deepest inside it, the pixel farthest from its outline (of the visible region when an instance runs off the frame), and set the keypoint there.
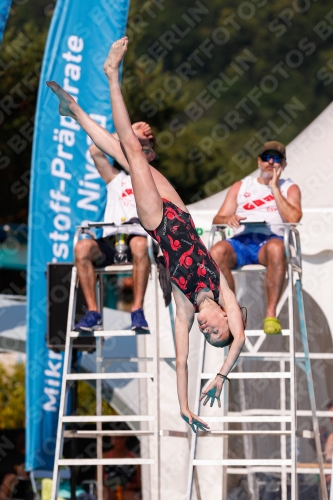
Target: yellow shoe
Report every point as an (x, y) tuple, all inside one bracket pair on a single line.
[(272, 326)]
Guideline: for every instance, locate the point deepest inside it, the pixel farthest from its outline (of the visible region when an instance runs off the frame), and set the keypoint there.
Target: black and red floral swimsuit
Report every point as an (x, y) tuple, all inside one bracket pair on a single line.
[(190, 265)]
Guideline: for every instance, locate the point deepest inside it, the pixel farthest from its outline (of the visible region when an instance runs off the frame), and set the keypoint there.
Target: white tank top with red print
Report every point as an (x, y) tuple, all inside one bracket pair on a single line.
[(121, 205), (256, 202)]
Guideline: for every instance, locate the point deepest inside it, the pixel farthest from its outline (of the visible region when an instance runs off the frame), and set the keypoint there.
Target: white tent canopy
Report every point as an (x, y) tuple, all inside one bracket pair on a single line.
[(310, 165)]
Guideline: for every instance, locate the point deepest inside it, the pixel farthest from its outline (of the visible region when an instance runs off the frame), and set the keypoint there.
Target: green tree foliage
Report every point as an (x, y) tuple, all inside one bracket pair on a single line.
[(12, 396), (279, 53), (20, 63), (87, 401), (153, 92)]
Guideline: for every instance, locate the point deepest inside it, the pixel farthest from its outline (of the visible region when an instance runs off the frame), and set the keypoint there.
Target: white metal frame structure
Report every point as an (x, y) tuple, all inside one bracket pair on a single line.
[(282, 465), (152, 421), (331, 486)]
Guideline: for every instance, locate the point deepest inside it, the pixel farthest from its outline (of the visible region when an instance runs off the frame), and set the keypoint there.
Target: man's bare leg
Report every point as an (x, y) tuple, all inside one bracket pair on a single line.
[(225, 257), (86, 252), (272, 256), (141, 268)]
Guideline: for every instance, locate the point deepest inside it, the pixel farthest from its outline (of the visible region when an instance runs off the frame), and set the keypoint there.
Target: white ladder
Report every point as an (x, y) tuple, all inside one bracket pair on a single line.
[(147, 420), (283, 465)]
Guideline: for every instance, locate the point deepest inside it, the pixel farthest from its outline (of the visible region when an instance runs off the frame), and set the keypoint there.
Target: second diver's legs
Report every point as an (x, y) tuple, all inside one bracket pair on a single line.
[(148, 199), (148, 188), (69, 107)]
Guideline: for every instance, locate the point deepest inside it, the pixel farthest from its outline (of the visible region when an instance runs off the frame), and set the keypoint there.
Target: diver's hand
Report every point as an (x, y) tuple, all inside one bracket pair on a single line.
[(194, 421), (213, 392)]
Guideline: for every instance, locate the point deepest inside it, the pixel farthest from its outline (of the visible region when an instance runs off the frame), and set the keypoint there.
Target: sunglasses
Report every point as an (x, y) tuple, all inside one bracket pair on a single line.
[(146, 151), (276, 158)]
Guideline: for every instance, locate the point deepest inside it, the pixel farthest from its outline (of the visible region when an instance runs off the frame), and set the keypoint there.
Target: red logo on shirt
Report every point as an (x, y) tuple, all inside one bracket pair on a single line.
[(258, 203), (247, 194), (127, 192)]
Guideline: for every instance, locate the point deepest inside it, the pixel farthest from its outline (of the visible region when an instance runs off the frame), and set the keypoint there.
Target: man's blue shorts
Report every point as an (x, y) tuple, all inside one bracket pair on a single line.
[(247, 246)]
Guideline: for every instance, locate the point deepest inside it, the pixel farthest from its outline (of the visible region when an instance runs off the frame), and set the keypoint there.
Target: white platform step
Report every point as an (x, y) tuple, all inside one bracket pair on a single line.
[(249, 375), (244, 462), (251, 268), (106, 461), (108, 376), (245, 433), (301, 469), (277, 356), (107, 418), (261, 333), (94, 434), (115, 269), (108, 333), (250, 418), (209, 433)]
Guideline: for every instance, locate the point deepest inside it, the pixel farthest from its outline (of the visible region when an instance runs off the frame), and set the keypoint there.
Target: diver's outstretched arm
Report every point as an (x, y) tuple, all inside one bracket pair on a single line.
[(231, 306), (182, 328), (229, 302)]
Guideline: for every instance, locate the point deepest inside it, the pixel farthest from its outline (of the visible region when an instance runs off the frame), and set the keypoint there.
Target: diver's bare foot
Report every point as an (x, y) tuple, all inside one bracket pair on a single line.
[(115, 55), (67, 104)]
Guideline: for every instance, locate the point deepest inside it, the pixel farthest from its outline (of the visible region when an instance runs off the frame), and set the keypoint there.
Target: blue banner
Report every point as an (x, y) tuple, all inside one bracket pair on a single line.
[(4, 11), (66, 189)]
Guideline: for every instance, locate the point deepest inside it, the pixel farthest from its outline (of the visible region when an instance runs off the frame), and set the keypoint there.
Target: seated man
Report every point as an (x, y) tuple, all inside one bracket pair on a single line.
[(266, 198), (120, 207)]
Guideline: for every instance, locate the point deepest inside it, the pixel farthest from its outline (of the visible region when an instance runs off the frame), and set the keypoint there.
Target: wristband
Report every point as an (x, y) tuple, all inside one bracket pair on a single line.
[(223, 376)]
